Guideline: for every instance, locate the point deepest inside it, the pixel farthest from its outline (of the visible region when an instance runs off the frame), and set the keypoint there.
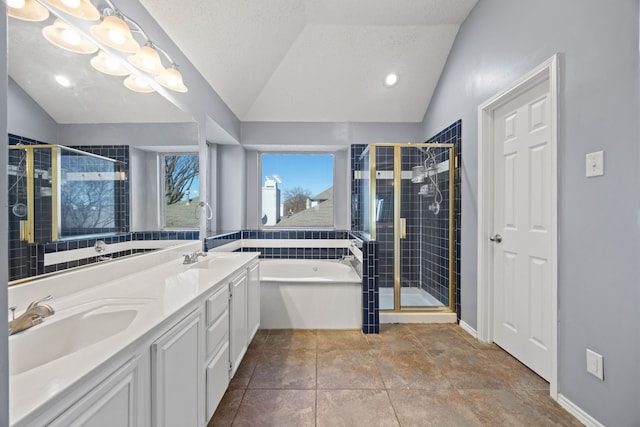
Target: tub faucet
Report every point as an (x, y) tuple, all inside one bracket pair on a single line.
[(32, 316), (193, 258)]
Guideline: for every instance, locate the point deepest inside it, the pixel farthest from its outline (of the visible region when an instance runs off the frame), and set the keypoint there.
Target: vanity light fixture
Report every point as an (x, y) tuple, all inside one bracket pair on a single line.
[(147, 59), (391, 80), (115, 33), (82, 9), (27, 10), (62, 35), (137, 84), (108, 64), (172, 79)]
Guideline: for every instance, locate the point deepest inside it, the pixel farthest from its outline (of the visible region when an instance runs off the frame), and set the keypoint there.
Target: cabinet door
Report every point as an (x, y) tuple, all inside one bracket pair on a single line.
[(253, 301), (238, 324), (217, 379), (176, 375), (114, 402)]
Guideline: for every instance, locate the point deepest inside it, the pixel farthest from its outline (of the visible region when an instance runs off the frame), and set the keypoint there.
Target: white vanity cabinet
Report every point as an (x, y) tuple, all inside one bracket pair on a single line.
[(189, 335), (253, 300), (114, 402), (176, 375), (238, 315), (217, 347)]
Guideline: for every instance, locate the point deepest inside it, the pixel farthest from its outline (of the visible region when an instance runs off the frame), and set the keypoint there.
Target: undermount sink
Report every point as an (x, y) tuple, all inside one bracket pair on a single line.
[(56, 338)]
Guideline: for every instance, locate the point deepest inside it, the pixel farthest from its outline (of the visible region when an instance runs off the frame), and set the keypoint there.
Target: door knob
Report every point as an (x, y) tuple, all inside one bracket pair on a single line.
[(496, 238)]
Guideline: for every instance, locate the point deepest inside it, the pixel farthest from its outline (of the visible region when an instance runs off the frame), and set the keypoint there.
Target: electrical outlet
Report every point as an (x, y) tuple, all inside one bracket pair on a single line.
[(595, 164), (595, 364)]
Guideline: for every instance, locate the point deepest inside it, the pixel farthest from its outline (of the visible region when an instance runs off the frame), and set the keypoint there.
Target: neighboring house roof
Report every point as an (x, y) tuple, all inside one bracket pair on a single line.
[(320, 215)]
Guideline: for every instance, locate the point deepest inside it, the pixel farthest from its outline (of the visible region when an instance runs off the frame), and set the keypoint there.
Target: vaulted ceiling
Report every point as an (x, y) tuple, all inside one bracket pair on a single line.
[(316, 60), (269, 60)]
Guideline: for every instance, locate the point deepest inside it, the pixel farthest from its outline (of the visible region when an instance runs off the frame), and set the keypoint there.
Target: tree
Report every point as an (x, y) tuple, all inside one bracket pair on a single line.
[(179, 173), (295, 200)]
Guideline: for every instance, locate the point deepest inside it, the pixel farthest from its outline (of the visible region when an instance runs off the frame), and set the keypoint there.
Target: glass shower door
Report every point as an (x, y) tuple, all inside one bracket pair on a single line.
[(411, 219), (383, 216)]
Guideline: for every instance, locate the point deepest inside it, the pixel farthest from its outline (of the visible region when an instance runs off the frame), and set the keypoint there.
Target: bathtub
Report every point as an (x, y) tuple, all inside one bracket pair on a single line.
[(309, 294)]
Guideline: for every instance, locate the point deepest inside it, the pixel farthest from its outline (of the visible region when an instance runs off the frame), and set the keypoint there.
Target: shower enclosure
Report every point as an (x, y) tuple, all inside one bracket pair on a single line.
[(407, 206), (56, 193)]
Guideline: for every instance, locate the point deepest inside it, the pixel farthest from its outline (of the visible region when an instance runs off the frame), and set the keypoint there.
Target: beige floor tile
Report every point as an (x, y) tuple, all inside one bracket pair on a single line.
[(351, 408), (227, 409), (292, 369), (511, 408), (280, 339), (243, 374), (394, 337), (409, 370), (438, 408), (409, 375), (277, 408), (342, 340), (347, 369)]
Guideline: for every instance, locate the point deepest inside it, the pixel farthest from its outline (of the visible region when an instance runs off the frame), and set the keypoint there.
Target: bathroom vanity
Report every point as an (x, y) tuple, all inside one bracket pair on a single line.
[(143, 341)]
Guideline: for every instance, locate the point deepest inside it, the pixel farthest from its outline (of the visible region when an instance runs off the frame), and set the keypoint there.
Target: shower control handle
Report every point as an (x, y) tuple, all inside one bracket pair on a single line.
[(496, 238)]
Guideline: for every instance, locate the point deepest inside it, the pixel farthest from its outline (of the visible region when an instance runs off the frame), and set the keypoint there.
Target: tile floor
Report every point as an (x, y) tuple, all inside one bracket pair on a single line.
[(408, 375)]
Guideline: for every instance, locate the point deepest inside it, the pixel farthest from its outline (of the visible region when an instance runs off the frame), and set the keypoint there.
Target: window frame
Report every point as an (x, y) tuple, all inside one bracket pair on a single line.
[(260, 177), (162, 205)]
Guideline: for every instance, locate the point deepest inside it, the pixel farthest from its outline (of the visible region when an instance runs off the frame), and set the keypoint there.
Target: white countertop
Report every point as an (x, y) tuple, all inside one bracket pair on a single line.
[(157, 292)]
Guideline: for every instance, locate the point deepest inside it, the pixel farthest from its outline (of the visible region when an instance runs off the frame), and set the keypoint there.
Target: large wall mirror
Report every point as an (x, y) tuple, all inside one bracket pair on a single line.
[(98, 144)]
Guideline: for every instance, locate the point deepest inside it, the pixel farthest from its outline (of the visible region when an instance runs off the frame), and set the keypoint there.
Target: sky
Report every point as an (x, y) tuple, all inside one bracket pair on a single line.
[(313, 172)]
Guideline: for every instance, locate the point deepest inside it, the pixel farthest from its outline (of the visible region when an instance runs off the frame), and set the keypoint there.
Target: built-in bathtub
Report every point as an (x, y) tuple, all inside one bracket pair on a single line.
[(309, 294)]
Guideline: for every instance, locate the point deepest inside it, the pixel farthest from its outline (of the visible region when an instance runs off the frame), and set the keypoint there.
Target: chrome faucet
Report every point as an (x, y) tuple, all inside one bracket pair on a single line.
[(193, 258), (32, 316)]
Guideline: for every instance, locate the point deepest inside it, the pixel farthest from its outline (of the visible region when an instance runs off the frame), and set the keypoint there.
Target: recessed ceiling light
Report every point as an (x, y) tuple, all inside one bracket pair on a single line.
[(391, 80), (63, 81)]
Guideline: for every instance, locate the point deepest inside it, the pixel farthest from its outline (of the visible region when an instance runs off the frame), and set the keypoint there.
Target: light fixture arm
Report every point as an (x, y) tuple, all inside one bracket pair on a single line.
[(113, 10)]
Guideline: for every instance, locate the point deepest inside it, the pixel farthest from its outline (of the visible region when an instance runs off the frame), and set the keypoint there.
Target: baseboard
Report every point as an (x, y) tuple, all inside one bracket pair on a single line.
[(464, 325), (408, 317), (577, 412)]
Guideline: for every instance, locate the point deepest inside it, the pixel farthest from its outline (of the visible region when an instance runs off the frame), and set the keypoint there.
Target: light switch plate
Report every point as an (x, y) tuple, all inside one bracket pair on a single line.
[(595, 364), (595, 164)]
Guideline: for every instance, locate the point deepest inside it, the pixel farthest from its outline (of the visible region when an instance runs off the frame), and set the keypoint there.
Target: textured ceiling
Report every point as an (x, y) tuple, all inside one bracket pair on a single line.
[(316, 60)]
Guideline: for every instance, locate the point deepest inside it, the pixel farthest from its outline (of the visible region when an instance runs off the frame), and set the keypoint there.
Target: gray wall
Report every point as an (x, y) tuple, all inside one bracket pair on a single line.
[(231, 175), (26, 118), (160, 136), (599, 218), (4, 237)]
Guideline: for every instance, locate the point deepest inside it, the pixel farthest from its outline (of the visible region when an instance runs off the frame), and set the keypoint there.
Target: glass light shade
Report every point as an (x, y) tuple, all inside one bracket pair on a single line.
[(65, 37), (107, 64), (27, 10), (115, 33), (147, 59), (172, 79), (137, 84), (82, 9)]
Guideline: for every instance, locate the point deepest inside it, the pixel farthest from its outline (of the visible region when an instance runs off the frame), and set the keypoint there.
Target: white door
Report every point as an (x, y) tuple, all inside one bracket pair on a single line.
[(522, 251)]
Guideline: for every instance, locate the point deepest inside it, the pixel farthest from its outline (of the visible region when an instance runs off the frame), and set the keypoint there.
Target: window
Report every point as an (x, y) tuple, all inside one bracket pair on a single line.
[(297, 190), (181, 190)]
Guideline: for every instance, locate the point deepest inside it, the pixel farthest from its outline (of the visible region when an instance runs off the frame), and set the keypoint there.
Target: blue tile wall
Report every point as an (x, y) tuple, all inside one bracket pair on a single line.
[(370, 290), (453, 135), (212, 242)]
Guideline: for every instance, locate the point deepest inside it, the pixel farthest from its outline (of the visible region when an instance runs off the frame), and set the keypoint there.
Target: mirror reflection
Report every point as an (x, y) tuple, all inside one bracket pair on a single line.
[(76, 138)]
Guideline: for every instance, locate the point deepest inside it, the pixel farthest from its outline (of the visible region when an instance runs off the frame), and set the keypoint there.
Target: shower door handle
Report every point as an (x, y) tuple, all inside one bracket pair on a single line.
[(496, 238), (403, 228)]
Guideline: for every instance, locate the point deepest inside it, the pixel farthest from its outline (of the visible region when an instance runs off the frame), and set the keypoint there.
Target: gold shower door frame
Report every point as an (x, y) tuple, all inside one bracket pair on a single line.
[(398, 222)]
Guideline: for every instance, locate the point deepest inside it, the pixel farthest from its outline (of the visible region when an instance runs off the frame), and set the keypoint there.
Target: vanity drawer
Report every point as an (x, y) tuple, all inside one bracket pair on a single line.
[(217, 334), (217, 304)]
